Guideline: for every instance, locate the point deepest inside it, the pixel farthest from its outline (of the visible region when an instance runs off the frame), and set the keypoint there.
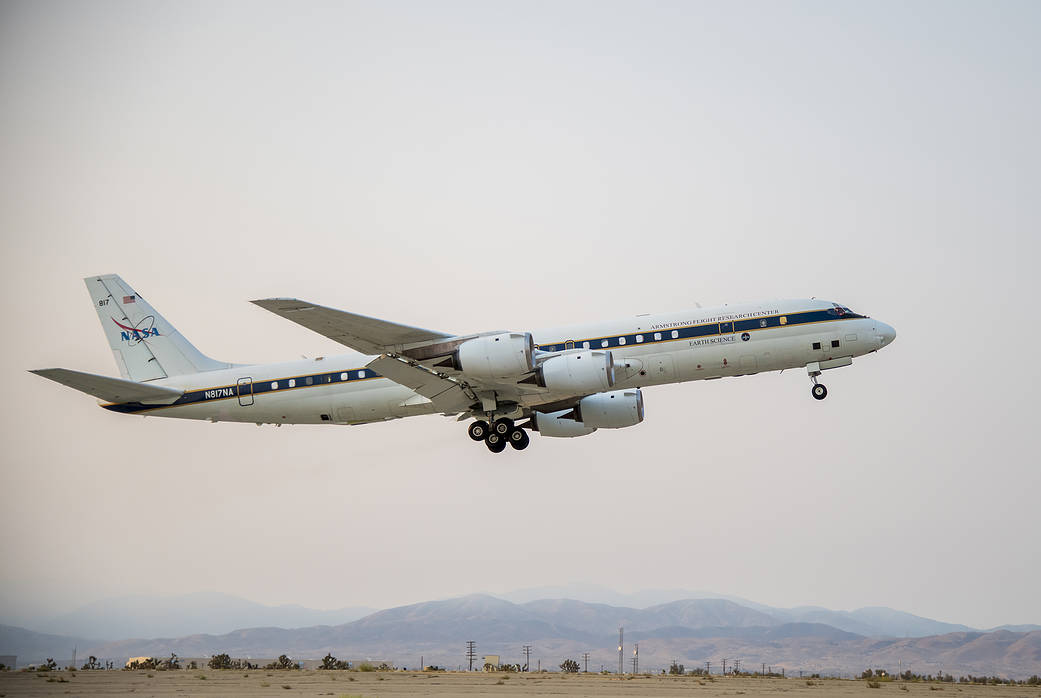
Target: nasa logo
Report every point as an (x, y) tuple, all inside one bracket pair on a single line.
[(745, 337), (134, 335)]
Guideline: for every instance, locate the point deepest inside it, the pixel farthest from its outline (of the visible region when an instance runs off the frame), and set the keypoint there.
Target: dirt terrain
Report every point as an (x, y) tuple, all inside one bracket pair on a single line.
[(376, 684)]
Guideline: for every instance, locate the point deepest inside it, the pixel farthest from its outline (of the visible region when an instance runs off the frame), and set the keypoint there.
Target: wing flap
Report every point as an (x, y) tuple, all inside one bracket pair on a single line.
[(110, 389), (368, 335)]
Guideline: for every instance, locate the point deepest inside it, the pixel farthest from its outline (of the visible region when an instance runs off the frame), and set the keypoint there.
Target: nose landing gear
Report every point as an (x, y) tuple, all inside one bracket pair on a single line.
[(818, 391)]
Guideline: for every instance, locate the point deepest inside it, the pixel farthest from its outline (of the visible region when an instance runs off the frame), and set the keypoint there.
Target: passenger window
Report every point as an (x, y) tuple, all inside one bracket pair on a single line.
[(621, 341), (344, 376), (639, 338), (762, 323), (657, 336), (292, 382), (361, 374), (816, 346), (274, 385), (675, 334), (309, 380), (585, 345), (784, 320), (604, 343), (834, 343)]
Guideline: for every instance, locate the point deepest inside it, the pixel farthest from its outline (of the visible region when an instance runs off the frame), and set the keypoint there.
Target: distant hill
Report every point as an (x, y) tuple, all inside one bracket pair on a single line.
[(875, 621), (173, 616), (692, 631), (31, 647)]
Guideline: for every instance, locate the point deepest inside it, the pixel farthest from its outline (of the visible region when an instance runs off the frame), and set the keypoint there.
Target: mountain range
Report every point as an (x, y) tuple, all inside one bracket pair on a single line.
[(692, 631)]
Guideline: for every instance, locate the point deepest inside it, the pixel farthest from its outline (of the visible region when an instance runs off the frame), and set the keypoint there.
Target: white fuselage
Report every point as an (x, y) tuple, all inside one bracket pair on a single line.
[(700, 344)]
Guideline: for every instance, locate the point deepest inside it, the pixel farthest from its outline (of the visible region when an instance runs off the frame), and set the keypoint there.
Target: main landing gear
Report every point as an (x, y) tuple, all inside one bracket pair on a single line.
[(498, 434)]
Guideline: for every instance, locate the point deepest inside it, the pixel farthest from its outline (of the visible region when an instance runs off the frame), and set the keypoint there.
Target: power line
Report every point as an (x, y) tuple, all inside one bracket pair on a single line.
[(527, 657), (470, 653), (585, 658)]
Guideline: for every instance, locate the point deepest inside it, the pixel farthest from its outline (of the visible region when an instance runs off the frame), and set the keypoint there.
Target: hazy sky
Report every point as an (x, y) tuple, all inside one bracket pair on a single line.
[(475, 166)]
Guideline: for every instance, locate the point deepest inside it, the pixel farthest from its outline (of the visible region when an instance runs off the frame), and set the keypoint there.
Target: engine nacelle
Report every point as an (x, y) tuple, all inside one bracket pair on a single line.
[(614, 410), (577, 372), (552, 424), (506, 355)]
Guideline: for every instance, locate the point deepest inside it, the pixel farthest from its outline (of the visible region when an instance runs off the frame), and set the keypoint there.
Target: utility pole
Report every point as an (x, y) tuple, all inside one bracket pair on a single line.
[(527, 657), (708, 668), (737, 666), (585, 658), (763, 672), (621, 670), (470, 653), (724, 666), (636, 658)]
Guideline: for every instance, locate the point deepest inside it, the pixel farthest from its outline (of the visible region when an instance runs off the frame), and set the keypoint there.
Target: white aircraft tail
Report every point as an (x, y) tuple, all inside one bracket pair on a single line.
[(144, 344)]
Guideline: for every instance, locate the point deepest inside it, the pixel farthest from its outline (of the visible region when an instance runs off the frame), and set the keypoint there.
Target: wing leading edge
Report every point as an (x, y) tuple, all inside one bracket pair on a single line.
[(368, 335)]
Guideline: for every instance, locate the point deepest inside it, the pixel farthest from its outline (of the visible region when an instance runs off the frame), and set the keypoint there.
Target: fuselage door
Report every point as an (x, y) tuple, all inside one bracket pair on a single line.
[(569, 345), (245, 391)]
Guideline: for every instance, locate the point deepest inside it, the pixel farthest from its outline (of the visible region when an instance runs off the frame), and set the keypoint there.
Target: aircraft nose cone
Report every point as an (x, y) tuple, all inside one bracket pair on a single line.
[(886, 333)]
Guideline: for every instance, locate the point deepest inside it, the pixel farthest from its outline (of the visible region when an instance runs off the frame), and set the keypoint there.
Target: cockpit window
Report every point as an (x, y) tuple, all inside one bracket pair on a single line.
[(843, 312)]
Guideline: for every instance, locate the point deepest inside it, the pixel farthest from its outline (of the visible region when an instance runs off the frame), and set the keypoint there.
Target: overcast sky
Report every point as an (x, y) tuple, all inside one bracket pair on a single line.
[(475, 166)]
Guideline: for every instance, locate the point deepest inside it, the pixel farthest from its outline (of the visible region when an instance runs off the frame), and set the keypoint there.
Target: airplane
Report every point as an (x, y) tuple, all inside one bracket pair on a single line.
[(563, 382)]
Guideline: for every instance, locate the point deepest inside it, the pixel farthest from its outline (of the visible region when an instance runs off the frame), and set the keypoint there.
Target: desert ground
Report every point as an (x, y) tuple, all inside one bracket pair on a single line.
[(377, 684)]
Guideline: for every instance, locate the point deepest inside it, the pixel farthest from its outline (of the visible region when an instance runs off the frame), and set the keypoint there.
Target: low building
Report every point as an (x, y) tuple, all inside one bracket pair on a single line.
[(491, 662), (8, 661)]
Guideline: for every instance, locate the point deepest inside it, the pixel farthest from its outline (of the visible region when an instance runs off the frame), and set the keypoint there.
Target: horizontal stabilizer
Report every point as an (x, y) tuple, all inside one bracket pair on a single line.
[(111, 389), (368, 335)]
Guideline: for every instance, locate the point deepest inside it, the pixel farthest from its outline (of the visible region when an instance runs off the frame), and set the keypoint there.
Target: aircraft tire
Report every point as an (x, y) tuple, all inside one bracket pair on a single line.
[(818, 391), (495, 443), (502, 426), (478, 430), (519, 439)]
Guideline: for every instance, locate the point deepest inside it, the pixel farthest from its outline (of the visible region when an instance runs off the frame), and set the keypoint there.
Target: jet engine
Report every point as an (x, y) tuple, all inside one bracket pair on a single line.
[(614, 410), (554, 424), (505, 355), (578, 372)]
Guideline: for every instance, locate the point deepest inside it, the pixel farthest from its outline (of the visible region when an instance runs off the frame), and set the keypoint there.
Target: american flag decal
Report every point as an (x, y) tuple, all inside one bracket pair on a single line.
[(129, 299)]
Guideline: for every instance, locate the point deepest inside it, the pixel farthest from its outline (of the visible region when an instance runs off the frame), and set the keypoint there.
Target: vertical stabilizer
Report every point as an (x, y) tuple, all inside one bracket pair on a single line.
[(144, 344)]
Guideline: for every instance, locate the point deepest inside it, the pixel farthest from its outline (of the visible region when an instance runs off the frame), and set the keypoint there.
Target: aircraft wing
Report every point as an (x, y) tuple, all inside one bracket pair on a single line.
[(111, 389), (368, 335), (448, 394)]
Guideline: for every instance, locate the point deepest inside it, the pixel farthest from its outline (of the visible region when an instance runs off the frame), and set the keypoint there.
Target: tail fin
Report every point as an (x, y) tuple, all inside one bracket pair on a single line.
[(144, 344)]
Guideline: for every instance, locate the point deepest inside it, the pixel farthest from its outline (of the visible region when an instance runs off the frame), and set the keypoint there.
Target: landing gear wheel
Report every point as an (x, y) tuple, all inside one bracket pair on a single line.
[(818, 391), (519, 439), (478, 430), (502, 426), (495, 443)]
